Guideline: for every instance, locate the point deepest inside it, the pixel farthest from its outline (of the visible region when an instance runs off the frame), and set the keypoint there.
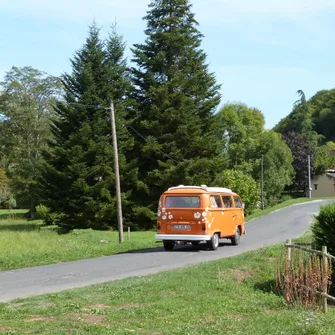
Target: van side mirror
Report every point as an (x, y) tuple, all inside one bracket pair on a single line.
[(243, 205)]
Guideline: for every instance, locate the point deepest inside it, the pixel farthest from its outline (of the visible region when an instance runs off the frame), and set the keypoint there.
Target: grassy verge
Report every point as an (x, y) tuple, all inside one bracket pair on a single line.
[(12, 214), (230, 296), (26, 243)]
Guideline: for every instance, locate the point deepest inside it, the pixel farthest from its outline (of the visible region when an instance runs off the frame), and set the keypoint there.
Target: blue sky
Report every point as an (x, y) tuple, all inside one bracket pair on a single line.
[(261, 51)]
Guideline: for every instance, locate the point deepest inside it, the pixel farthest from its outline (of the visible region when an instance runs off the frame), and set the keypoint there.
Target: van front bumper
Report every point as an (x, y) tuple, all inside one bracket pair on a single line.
[(180, 237)]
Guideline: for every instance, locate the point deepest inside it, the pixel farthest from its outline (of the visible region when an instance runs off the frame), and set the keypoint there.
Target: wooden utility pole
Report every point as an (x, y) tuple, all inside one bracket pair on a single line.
[(262, 184), (117, 174), (309, 178)]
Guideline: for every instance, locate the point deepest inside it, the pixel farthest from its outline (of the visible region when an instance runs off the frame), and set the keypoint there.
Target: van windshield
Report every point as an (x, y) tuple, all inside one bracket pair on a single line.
[(182, 202)]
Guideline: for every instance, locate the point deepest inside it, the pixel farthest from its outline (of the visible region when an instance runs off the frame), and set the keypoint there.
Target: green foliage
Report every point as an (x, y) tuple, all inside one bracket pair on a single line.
[(300, 121), (4, 180), (324, 228), (277, 167), (324, 158), (27, 99), (322, 106), (5, 191), (246, 140), (242, 184), (176, 98), (43, 213), (300, 149), (79, 177), (240, 127)]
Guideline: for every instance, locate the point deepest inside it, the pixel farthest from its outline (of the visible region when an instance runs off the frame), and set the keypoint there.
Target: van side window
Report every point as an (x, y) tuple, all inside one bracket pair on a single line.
[(216, 201), (227, 200), (238, 203)]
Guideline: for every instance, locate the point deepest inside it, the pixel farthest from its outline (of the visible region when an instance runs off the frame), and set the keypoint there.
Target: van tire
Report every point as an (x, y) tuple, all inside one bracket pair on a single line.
[(235, 240), (168, 245), (214, 242)]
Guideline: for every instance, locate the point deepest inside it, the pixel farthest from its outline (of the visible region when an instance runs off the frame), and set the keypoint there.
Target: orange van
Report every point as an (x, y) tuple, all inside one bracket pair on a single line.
[(191, 214)]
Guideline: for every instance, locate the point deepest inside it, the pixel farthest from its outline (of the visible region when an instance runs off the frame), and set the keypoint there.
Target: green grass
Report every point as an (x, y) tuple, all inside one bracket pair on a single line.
[(230, 296), (12, 214), (27, 243)]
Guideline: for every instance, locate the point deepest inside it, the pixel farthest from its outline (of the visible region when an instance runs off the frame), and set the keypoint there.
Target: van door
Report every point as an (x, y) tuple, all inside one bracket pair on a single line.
[(179, 214), (239, 212), (228, 217), (216, 223)]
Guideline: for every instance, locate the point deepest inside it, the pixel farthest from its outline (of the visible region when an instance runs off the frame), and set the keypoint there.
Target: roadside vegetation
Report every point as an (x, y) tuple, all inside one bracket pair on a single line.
[(230, 295), (26, 243)]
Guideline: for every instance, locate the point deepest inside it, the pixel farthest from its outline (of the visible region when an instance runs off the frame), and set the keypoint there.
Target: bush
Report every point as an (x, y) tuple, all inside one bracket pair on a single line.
[(242, 184), (323, 231), (324, 228), (43, 213)]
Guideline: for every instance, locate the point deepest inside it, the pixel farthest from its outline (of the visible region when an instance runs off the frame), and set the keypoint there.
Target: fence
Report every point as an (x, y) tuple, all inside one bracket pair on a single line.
[(325, 256)]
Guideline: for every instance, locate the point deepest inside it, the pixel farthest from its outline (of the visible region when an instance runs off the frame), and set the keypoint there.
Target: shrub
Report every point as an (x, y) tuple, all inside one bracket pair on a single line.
[(285, 197), (324, 228), (44, 214), (242, 184)]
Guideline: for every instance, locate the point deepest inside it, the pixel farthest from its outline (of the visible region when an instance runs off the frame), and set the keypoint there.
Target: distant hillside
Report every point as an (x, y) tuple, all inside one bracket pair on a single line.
[(321, 107)]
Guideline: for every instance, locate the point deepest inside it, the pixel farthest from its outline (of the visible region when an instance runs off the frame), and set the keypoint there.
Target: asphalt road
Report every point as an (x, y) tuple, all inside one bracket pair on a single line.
[(276, 227)]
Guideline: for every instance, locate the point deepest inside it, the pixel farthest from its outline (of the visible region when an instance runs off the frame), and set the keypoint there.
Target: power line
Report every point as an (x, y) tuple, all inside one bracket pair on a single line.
[(128, 126), (145, 140)]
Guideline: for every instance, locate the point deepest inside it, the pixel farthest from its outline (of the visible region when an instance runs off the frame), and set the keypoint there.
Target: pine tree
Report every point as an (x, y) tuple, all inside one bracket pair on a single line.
[(176, 98), (79, 179)]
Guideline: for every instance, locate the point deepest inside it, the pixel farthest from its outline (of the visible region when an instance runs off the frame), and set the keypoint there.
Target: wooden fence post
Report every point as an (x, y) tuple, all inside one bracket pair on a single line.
[(289, 250), (324, 279), (128, 233)]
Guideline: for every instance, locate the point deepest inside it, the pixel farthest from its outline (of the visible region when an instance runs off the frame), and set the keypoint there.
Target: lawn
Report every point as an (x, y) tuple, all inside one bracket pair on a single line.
[(230, 296), (26, 243)]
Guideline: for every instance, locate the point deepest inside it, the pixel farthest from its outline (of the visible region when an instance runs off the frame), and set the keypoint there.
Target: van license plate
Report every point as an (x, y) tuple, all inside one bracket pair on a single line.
[(181, 226)]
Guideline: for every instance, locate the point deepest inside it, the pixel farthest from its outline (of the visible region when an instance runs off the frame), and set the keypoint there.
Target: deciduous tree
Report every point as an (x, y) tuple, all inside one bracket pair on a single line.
[(27, 100)]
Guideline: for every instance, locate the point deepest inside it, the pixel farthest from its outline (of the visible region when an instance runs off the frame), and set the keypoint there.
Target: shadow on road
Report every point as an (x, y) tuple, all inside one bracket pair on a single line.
[(179, 248)]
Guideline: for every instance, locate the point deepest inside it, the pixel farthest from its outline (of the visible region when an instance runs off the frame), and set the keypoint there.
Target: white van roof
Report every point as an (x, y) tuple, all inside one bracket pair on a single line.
[(203, 187)]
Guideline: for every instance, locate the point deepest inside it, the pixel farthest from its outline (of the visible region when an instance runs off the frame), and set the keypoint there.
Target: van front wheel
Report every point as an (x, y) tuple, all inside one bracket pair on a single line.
[(213, 243), (168, 245)]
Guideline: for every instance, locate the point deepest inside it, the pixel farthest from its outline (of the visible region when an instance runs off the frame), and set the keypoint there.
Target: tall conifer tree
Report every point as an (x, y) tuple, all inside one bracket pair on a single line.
[(176, 98), (79, 179)]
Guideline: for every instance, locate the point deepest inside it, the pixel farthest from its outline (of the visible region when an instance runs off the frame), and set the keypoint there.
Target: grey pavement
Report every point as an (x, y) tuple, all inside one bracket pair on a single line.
[(273, 228)]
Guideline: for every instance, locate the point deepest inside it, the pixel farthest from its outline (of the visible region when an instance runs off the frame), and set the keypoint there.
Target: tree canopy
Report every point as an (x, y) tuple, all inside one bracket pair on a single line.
[(79, 177), (27, 100), (176, 97)]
